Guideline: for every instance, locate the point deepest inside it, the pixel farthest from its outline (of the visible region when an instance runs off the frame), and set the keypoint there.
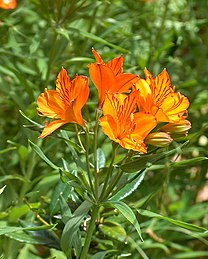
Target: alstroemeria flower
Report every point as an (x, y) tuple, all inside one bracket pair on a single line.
[(159, 98), (109, 78), (122, 124), (64, 104), (8, 4)]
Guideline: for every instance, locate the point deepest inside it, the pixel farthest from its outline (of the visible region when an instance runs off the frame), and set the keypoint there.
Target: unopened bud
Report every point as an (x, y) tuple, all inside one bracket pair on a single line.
[(179, 130), (158, 139)]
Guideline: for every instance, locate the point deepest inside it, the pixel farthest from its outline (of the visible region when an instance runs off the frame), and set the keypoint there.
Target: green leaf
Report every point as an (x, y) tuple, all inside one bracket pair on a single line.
[(128, 189), (25, 238), (102, 41), (7, 150), (113, 230), (145, 161), (72, 226), (179, 223), (100, 158), (17, 212), (31, 121), (101, 255), (65, 210), (188, 255), (61, 188), (12, 177), (189, 162), (75, 156), (2, 189), (8, 229), (41, 155), (127, 212)]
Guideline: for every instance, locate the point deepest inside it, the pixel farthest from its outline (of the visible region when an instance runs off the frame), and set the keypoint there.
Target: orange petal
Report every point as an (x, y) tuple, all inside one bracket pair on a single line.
[(145, 102), (144, 124), (116, 65), (109, 127), (103, 78), (63, 85), (162, 87), (51, 127), (8, 4), (50, 104), (175, 107), (124, 82), (135, 144), (79, 92), (97, 56)]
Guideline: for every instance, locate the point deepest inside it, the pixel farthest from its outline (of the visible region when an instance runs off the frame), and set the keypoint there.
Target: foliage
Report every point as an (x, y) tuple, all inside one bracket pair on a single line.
[(40, 194)]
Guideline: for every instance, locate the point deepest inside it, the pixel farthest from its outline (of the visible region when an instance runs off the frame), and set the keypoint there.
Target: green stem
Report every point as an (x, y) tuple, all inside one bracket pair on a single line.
[(78, 137), (113, 184), (29, 173), (87, 159), (110, 170), (51, 57), (89, 232), (96, 169), (118, 175)]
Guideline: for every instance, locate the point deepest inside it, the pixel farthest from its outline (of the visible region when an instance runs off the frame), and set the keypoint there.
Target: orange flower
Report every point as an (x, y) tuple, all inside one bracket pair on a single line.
[(8, 4), (157, 97), (109, 78), (122, 124), (64, 104)]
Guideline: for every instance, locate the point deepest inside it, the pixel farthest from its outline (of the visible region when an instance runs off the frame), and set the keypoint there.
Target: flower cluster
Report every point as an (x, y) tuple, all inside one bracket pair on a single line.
[(132, 107)]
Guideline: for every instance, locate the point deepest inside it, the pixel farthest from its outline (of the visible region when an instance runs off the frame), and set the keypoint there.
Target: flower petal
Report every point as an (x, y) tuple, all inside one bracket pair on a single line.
[(103, 79), (116, 65), (97, 56), (124, 82), (50, 104), (8, 4), (51, 127), (144, 124)]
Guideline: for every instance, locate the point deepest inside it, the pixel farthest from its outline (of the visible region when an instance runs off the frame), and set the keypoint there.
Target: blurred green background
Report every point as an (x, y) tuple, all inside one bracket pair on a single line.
[(37, 39)]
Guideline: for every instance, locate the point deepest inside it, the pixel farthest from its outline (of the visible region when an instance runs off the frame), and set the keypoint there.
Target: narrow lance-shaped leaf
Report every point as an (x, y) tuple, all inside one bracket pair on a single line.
[(9, 229), (127, 212), (72, 226), (42, 155), (146, 161), (128, 189), (179, 223)]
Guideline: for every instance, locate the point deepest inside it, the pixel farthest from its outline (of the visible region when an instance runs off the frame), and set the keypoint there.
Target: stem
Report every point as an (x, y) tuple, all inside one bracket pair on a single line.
[(113, 184), (96, 169), (78, 137), (51, 57), (29, 173), (87, 159), (118, 175), (89, 232), (110, 170)]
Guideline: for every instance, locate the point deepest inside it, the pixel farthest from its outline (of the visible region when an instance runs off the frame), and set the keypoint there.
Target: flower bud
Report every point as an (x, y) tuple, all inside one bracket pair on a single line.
[(178, 130), (158, 139)]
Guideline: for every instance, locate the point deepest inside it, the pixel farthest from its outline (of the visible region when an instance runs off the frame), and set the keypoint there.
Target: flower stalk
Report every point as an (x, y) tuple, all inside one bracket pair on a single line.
[(90, 232)]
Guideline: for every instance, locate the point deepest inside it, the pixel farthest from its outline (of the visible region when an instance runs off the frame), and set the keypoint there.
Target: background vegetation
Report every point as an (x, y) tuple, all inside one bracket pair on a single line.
[(37, 39)]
